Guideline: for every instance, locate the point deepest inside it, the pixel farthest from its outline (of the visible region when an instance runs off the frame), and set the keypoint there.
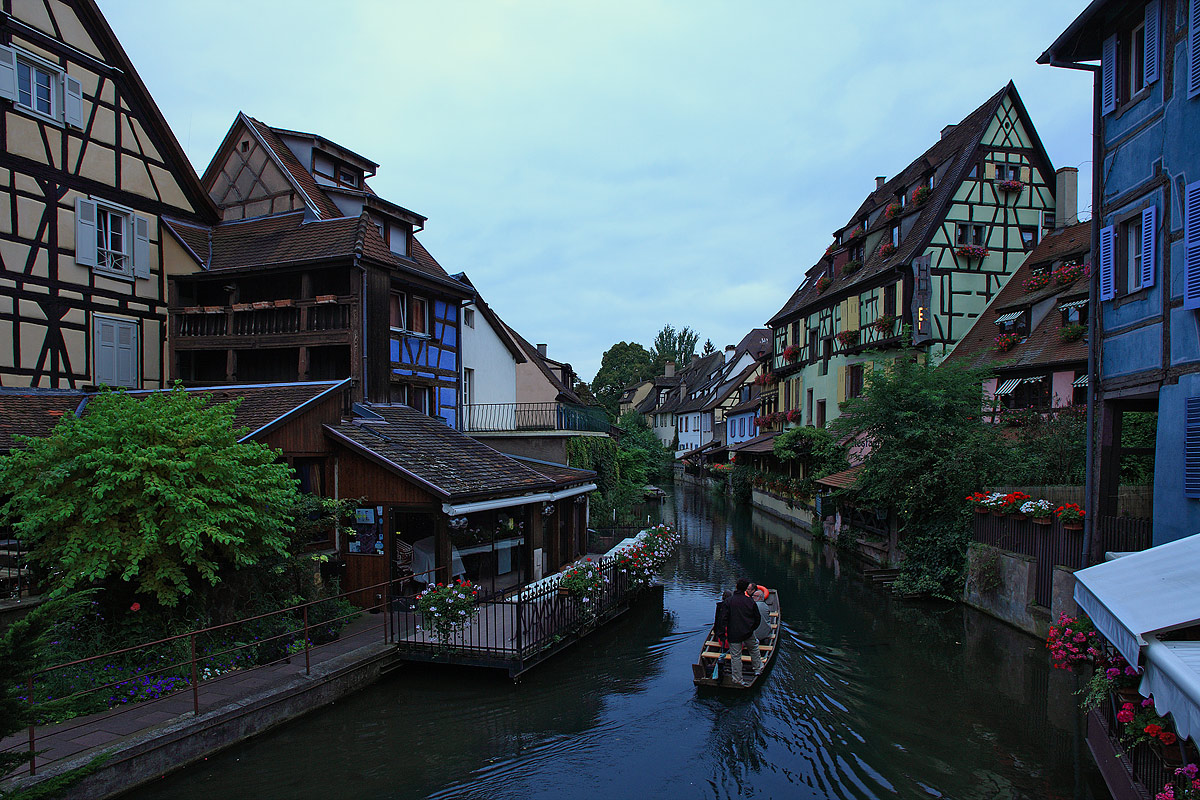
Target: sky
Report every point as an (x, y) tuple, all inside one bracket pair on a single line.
[(601, 169)]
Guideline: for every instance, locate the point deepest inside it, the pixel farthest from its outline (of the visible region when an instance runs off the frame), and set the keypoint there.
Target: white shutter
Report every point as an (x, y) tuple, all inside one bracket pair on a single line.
[(1108, 284), (1149, 219), (126, 354), (1150, 56), (1108, 75), (72, 102), (8, 73), (105, 331), (141, 247), (85, 232), (1193, 72), (1191, 244)]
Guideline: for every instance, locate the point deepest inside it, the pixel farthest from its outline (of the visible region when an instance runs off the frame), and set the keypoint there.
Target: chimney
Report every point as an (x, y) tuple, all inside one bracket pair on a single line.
[(729, 351), (695, 358), (541, 350), (880, 180), (669, 369), (946, 130), (1066, 197)]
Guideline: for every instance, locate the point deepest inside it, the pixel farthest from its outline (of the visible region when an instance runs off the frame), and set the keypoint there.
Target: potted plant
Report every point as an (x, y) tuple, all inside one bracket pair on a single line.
[(1010, 187), (448, 608), (791, 353), (1040, 511), (856, 233), (1013, 502), (847, 339), (1073, 642), (1071, 272), (795, 416), (921, 194), (1070, 515), (995, 502), (823, 283), (583, 580), (893, 210), (1036, 281), (852, 266), (1072, 332), (884, 324), (887, 250), (978, 502), (1007, 341), (970, 251)]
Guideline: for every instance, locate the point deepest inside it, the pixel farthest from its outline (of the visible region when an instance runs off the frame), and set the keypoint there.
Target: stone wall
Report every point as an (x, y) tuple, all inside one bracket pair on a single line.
[(1002, 584)]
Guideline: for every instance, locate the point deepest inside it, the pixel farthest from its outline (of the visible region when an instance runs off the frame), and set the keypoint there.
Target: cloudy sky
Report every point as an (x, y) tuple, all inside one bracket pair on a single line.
[(602, 168)]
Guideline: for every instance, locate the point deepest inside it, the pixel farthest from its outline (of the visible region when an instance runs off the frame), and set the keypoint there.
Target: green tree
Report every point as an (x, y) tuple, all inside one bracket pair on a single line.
[(154, 496), (709, 348), (672, 345), (928, 448), (622, 364), (623, 467), (815, 450)]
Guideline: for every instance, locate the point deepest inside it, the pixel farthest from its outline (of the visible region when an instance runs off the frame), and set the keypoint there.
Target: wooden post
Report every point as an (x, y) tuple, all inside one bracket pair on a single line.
[(195, 680), (307, 662), (32, 751), (534, 558)]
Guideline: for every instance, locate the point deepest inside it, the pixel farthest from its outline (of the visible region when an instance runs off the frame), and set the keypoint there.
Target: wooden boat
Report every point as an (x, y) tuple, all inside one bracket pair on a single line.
[(713, 654)]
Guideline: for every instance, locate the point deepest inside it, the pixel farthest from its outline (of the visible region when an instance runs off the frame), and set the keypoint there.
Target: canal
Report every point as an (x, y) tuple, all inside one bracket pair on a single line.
[(869, 697)]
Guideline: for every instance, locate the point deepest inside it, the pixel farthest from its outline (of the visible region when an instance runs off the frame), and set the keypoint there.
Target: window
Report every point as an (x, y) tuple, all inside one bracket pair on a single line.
[(469, 317), (418, 398), (1029, 237), (40, 86), (858, 251), (820, 421), (112, 239), (889, 299), (812, 343), (854, 380), (347, 177), (468, 388), (1130, 57), (896, 235), (1031, 393), (35, 88), (809, 406), (970, 233), (1130, 257), (396, 312), (418, 318), (1008, 172), (115, 349), (1074, 312)]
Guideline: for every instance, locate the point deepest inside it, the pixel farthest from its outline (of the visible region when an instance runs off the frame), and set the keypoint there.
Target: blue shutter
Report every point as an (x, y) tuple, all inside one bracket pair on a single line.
[(1191, 448), (1150, 57), (1108, 284), (1191, 242), (1108, 75), (1149, 218), (1193, 72)]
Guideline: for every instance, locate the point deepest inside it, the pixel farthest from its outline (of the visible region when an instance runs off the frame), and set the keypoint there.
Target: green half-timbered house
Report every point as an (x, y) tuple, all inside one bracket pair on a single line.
[(918, 261)]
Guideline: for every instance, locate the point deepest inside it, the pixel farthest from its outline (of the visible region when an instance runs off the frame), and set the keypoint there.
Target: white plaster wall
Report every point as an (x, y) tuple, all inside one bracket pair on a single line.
[(495, 369)]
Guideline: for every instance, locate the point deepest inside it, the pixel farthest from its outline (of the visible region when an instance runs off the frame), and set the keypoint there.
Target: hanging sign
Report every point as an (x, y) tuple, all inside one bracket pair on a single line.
[(922, 297)]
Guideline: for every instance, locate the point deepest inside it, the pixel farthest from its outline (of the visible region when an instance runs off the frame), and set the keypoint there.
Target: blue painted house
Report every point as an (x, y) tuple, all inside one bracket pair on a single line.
[(1145, 347)]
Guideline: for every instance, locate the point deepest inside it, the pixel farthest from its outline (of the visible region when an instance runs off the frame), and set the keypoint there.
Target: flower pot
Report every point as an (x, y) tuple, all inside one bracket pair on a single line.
[(564, 591), (997, 512), (1073, 526), (1042, 520), (981, 510), (1019, 515)]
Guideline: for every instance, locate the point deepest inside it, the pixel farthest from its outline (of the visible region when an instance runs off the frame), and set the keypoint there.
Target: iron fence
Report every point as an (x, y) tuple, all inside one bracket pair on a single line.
[(503, 417), (17, 579), (1049, 545), (1151, 764)]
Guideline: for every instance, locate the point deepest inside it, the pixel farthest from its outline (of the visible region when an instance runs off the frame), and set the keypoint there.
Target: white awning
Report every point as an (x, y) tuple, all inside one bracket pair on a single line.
[(1067, 306), (1142, 593), (519, 500), (1173, 677), (1009, 317), (1008, 386), (1080, 381)]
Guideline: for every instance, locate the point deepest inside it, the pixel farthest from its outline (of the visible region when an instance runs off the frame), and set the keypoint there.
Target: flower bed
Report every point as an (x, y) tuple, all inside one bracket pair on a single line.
[(1036, 281), (1071, 272), (921, 194), (791, 353), (1069, 514), (642, 561), (893, 210), (823, 283), (884, 324)]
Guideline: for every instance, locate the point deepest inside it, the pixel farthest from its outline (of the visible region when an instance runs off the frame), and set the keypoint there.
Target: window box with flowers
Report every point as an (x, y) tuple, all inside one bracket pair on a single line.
[(584, 581), (979, 502), (1036, 281), (920, 195), (823, 283), (1070, 515), (885, 324), (1013, 502), (1072, 332), (887, 250), (1040, 511), (893, 210), (795, 416), (791, 353), (1071, 272), (852, 266), (1007, 341), (857, 233), (971, 251), (1010, 187), (847, 339)]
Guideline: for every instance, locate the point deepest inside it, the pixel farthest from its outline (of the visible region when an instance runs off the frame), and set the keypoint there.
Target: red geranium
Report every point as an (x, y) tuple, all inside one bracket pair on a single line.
[(1167, 738), (136, 607)]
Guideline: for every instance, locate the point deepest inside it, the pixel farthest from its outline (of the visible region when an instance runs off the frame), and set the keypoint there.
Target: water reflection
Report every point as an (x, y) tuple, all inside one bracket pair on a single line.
[(869, 697)]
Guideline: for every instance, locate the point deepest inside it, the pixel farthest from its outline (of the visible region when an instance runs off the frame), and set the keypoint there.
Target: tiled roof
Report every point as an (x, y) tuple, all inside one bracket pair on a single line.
[(303, 178), (1059, 244), (741, 408), (841, 480), (763, 443), (565, 393), (33, 413), (956, 149), (442, 459), (560, 474)]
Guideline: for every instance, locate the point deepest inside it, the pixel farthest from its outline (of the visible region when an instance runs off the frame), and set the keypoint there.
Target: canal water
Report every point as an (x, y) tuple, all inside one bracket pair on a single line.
[(869, 697)]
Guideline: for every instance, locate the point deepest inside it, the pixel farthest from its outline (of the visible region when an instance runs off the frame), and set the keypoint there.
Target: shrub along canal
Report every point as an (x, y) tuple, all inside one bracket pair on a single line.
[(869, 696)]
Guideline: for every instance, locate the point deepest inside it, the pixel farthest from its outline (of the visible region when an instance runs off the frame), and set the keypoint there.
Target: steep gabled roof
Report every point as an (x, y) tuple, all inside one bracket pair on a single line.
[(493, 319), (30, 412), (952, 156)]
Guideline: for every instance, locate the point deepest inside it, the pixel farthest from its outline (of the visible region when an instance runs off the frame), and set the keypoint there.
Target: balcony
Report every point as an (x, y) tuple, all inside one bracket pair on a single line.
[(528, 417), (320, 315)]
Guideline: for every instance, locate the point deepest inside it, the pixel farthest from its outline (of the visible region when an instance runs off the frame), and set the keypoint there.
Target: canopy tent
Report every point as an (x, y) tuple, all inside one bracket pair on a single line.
[(1152, 592)]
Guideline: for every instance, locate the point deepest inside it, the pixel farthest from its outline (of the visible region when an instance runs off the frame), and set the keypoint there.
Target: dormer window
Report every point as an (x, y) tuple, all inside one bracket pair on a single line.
[(346, 177), (1074, 312), (1014, 322)]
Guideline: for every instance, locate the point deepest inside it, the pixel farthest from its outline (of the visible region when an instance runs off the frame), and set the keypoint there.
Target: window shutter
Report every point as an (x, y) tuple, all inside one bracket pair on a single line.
[(1024, 175), (126, 355), (72, 102), (841, 383), (8, 73), (141, 247), (1108, 284), (989, 171), (1108, 75), (1191, 448), (1149, 217), (85, 232), (1193, 73), (1191, 244), (1150, 57), (105, 331)]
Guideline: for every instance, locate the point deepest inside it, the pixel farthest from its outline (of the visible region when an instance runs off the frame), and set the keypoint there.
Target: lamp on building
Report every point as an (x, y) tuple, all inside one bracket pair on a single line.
[(547, 509), (458, 523)]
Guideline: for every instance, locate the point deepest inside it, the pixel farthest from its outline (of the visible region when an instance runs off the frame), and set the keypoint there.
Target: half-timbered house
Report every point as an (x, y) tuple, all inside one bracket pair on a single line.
[(917, 262), (311, 275), (88, 171)]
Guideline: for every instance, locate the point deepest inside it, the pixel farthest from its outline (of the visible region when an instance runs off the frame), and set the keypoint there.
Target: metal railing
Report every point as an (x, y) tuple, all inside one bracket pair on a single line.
[(505, 417), (519, 630), (16, 575), (1145, 760), (326, 313), (194, 660)]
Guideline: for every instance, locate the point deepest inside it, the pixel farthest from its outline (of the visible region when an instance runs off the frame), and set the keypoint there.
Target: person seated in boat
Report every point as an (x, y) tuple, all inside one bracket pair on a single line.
[(743, 621), (759, 595), (721, 621)]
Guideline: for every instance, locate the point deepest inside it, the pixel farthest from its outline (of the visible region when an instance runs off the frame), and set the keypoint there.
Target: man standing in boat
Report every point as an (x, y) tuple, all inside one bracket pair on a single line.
[(744, 618)]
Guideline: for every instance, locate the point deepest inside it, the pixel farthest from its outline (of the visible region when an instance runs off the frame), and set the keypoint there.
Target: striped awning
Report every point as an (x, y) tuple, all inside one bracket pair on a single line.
[(1008, 386), (1067, 306), (1081, 381), (1034, 379), (1009, 317)]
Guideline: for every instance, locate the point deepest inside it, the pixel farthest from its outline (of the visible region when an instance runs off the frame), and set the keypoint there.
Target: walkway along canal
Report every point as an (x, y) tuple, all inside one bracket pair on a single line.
[(870, 696)]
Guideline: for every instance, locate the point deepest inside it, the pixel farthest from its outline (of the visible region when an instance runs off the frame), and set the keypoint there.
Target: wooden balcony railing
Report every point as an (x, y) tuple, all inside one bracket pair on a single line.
[(325, 313)]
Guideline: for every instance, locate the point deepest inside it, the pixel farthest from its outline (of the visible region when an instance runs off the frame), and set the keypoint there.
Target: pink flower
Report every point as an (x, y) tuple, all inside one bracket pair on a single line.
[(1112, 672), (1131, 671), (1148, 702), (136, 607), (1124, 715)]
